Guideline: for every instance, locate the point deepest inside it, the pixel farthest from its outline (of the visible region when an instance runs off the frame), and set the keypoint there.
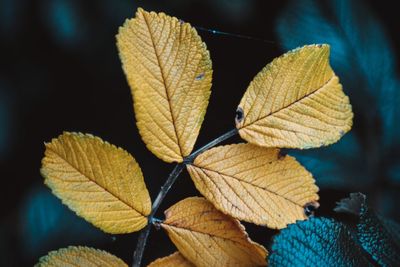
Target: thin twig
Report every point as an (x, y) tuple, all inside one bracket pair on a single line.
[(213, 143), (141, 244), (165, 188), (144, 234), (142, 239)]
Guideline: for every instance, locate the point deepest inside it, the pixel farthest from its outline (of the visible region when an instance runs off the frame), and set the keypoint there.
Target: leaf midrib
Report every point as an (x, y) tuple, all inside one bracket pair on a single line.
[(164, 83), (187, 228), (290, 104), (95, 182), (249, 183)]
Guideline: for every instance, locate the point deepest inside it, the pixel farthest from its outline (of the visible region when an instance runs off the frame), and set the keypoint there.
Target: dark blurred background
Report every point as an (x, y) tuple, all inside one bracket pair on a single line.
[(60, 71)]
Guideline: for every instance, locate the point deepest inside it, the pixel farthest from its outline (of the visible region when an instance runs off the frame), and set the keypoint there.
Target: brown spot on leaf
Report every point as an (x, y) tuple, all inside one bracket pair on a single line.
[(239, 115), (310, 208), (200, 77), (282, 154)]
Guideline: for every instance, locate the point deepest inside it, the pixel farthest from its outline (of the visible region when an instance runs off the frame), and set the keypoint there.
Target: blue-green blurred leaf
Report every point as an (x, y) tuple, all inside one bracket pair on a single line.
[(377, 235), (47, 224), (337, 166), (392, 227), (316, 242), (394, 172), (362, 56), (65, 21)]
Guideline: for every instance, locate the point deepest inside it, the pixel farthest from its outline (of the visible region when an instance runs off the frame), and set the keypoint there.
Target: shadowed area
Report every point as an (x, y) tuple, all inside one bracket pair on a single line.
[(60, 71)]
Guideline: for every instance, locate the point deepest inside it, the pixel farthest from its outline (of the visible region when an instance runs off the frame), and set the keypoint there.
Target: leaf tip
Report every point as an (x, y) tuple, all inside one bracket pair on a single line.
[(352, 204), (140, 10)]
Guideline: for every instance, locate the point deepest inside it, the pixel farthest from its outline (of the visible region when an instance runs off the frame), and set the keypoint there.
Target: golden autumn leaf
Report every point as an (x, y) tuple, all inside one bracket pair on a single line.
[(295, 102), (168, 68), (207, 237), (174, 260), (254, 184), (100, 182), (80, 256)]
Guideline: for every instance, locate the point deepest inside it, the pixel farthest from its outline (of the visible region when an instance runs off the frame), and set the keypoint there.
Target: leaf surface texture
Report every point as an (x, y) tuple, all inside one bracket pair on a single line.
[(254, 184), (207, 237), (174, 260), (80, 256), (168, 68), (295, 102), (316, 242), (380, 237), (100, 182)]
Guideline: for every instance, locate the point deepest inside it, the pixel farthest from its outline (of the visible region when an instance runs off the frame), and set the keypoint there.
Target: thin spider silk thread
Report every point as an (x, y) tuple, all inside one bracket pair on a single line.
[(241, 36)]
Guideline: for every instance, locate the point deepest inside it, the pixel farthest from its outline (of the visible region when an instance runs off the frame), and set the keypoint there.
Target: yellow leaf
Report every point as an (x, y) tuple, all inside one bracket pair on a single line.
[(100, 182), (80, 256), (174, 260), (295, 102), (254, 184), (169, 71), (207, 237)]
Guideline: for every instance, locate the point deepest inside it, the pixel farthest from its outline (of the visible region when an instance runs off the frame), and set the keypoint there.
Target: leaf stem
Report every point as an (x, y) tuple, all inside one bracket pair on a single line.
[(165, 188), (141, 244), (144, 234), (213, 143)]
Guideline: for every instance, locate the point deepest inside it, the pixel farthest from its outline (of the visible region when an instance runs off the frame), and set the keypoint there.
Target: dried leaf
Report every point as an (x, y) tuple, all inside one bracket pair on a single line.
[(295, 102), (100, 182), (174, 260), (208, 237), (254, 184), (169, 71), (80, 256)]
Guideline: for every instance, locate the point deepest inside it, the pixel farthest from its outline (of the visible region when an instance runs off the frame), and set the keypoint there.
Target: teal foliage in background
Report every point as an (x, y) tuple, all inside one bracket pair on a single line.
[(367, 158)]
